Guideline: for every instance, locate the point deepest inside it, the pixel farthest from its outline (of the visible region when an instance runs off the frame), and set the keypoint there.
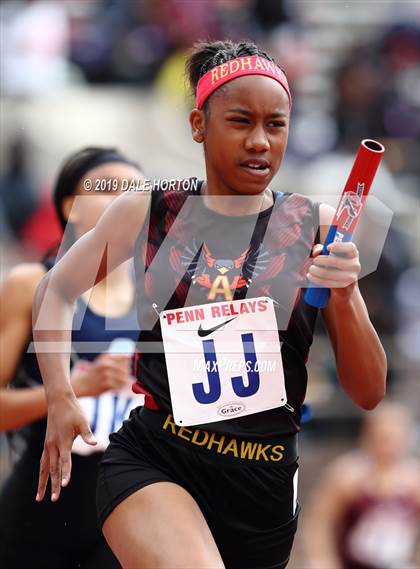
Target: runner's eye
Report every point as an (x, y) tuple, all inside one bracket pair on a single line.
[(277, 124), (239, 120)]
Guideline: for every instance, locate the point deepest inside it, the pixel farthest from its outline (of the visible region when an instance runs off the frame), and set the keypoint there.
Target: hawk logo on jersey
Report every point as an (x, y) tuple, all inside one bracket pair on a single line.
[(223, 276), (351, 205)]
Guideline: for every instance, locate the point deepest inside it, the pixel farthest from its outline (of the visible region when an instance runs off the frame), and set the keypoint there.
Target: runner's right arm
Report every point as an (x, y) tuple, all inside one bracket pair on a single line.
[(112, 241), (326, 505)]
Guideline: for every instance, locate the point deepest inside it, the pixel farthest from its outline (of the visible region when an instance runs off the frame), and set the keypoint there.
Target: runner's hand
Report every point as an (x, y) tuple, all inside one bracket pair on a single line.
[(108, 372), (65, 422), (338, 271)]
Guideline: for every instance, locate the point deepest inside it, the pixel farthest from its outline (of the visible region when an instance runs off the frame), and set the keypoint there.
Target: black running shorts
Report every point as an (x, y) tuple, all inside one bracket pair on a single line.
[(244, 488)]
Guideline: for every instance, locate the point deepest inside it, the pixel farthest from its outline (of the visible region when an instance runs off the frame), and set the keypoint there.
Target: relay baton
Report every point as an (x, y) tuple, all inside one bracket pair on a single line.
[(124, 346), (348, 211)]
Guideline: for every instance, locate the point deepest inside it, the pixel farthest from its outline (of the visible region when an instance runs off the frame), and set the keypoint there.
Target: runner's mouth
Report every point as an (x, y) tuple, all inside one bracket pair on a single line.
[(256, 166)]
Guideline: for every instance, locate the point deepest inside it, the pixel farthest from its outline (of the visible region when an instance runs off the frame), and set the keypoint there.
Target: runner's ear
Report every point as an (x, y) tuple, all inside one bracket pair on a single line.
[(197, 122)]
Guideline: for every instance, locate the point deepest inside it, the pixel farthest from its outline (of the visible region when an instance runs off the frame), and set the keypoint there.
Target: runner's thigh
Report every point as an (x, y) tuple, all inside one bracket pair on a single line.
[(161, 526)]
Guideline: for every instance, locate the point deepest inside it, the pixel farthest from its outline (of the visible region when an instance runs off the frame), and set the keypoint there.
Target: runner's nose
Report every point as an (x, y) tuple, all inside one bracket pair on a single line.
[(257, 140)]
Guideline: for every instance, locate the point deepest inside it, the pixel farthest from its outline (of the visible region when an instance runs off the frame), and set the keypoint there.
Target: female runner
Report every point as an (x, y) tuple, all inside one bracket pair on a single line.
[(205, 474), (365, 508), (75, 540)]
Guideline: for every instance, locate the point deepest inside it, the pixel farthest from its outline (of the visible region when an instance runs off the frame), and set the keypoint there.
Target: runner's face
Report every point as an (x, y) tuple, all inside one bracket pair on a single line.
[(387, 435), (245, 135), (98, 189)]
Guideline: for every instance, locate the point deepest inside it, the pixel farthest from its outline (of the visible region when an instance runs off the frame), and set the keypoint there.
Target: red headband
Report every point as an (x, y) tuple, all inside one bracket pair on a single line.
[(249, 65)]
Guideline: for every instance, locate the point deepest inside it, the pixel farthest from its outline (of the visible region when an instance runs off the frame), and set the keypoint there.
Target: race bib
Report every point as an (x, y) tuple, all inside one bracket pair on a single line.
[(223, 360), (105, 415)]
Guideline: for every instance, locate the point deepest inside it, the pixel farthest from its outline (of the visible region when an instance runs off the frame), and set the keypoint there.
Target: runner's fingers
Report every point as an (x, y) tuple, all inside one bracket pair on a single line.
[(120, 366), (332, 274), (44, 472), (326, 282), (65, 460), (348, 249), (86, 434), (111, 380), (117, 380), (335, 262), (317, 250), (55, 472)]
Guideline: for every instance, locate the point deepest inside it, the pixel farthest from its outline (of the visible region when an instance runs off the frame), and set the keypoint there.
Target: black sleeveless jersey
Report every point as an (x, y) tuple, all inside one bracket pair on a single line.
[(188, 254)]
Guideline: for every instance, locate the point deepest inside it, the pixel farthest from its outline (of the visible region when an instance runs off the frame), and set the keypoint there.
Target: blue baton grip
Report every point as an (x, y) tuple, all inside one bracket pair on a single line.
[(306, 413), (315, 295)]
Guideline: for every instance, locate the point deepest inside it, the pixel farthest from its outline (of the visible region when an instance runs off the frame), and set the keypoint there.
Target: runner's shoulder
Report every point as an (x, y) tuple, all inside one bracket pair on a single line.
[(349, 471), (409, 476), (21, 282), (125, 216)]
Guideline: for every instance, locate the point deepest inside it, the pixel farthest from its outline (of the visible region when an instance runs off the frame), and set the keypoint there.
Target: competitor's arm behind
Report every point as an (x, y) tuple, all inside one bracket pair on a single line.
[(325, 508), (18, 406)]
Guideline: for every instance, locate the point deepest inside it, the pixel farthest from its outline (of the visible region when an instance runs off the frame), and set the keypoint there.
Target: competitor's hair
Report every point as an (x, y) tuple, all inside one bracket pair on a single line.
[(76, 167), (205, 55), (70, 174)]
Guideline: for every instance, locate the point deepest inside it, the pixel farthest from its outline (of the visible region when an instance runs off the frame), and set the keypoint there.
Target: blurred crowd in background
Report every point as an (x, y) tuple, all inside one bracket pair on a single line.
[(103, 72)]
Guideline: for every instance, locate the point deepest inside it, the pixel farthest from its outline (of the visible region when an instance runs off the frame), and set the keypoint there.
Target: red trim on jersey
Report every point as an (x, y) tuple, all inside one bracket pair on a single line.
[(138, 389)]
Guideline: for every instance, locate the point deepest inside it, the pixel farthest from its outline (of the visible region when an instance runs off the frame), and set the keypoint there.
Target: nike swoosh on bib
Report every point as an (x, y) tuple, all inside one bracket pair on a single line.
[(202, 333)]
